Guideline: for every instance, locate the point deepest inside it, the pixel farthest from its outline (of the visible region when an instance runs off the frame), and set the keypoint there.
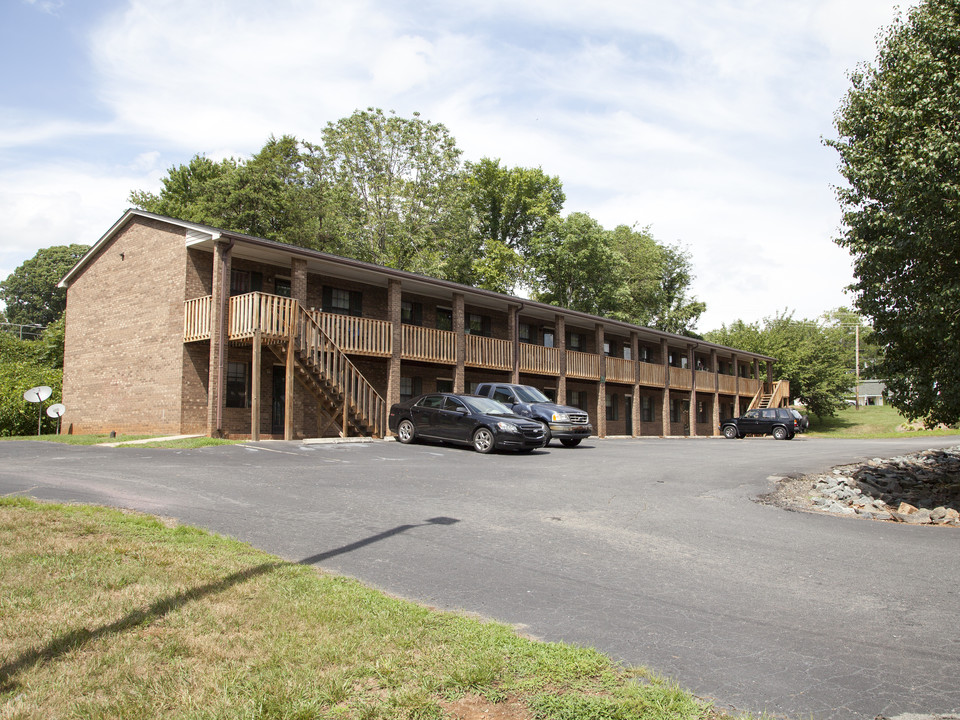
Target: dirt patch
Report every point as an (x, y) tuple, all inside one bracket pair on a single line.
[(474, 707)]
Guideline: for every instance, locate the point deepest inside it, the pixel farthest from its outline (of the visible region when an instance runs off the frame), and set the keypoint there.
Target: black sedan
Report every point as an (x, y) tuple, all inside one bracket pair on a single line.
[(466, 419)]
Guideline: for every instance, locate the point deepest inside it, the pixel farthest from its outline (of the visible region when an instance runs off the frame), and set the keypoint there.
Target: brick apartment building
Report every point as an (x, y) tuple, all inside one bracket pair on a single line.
[(174, 327)]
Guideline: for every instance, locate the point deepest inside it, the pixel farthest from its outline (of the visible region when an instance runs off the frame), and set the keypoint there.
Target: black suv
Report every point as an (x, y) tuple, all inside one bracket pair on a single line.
[(778, 422), (567, 424)]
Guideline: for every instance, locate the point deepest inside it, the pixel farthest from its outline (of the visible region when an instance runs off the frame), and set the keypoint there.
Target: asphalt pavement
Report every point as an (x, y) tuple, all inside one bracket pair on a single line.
[(651, 550)]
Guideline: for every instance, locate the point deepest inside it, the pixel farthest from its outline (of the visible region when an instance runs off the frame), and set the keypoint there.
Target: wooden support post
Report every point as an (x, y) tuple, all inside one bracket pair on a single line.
[(289, 383), (665, 405), (255, 386)]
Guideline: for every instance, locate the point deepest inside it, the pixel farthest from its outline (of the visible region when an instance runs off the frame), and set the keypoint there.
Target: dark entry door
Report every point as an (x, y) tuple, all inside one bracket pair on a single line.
[(279, 399), (629, 411)]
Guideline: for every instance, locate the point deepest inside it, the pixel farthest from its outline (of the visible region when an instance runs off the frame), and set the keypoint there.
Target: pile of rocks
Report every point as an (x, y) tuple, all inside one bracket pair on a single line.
[(919, 489)]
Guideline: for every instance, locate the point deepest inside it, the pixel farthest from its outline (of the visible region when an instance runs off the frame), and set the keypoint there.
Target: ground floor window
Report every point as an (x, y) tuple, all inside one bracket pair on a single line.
[(702, 412), (444, 385), (238, 384), (677, 408), (612, 407), (577, 398), (646, 408), (410, 387)]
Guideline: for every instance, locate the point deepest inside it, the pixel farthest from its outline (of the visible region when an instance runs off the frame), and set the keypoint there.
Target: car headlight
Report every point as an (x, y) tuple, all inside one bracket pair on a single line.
[(507, 427), (560, 417)]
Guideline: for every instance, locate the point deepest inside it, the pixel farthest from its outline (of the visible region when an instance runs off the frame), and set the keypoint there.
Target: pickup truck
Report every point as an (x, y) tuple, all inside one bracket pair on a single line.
[(567, 424)]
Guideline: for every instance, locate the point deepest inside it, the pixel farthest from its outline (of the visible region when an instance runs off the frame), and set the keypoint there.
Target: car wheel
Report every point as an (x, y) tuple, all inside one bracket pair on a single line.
[(570, 442), (730, 432), (780, 433), (406, 432), (483, 440), (546, 435)]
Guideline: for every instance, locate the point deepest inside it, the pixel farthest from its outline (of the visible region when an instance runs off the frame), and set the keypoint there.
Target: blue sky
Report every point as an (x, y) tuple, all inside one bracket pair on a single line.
[(701, 119)]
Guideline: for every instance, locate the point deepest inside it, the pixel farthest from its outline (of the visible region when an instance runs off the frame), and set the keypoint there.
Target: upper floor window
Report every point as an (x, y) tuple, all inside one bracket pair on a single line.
[(526, 333), (645, 354), (342, 302), (245, 281), (678, 360), (444, 319), (627, 353), (411, 313), (548, 340), (478, 325), (608, 348), (281, 287), (576, 341)]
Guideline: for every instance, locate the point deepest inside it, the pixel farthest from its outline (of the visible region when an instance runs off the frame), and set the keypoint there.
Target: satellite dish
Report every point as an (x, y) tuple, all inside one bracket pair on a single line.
[(38, 394), (56, 410)]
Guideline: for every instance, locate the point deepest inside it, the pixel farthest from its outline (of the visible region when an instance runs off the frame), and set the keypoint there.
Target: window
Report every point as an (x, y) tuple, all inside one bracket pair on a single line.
[(548, 338), (342, 302), (577, 398), (627, 352), (245, 281), (611, 407), (576, 341), (607, 348), (478, 325), (411, 313), (410, 387), (701, 411), (645, 354), (444, 385), (444, 319), (678, 360), (238, 384), (646, 408), (281, 287), (526, 333), (677, 410)]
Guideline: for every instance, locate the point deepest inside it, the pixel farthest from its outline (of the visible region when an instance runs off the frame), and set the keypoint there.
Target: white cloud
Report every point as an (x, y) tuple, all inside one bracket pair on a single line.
[(700, 119)]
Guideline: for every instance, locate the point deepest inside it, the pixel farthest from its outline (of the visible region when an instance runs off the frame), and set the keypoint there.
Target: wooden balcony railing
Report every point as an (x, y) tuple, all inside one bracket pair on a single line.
[(651, 375), (583, 365), (728, 384), (271, 314), (749, 386), (705, 381), (196, 319), (429, 345), (539, 360), (680, 378), (357, 335), (489, 353), (620, 370)]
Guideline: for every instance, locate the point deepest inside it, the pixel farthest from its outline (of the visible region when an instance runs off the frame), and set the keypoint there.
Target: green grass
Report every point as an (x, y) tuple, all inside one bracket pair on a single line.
[(105, 614), (871, 421)]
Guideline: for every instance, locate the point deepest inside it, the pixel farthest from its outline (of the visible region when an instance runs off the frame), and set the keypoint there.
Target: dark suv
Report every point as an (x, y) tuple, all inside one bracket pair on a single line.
[(567, 424), (778, 422)]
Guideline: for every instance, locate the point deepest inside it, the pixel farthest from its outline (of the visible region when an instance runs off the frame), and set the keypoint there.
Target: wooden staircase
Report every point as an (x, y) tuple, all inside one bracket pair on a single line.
[(771, 395), (342, 392)]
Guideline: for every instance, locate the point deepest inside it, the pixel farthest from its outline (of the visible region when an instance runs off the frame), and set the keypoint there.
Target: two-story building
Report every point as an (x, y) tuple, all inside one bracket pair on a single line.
[(175, 327)]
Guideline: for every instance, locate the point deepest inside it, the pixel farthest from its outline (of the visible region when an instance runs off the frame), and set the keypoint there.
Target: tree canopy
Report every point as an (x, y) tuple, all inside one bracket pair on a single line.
[(899, 147), (31, 293), (393, 191)]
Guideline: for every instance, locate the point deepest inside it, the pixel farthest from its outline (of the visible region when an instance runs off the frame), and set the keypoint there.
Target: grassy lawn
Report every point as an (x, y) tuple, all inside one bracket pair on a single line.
[(874, 421), (105, 614)]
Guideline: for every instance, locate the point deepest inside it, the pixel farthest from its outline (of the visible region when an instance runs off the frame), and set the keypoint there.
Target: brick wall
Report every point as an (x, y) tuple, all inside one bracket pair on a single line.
[(124, 354)]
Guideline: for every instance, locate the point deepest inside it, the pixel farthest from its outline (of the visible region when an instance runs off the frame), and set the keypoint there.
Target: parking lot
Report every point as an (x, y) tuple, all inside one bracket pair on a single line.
[(651, 550)]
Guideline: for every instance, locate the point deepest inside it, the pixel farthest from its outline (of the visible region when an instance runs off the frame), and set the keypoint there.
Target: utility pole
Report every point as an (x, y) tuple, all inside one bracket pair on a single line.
[(857, 355)]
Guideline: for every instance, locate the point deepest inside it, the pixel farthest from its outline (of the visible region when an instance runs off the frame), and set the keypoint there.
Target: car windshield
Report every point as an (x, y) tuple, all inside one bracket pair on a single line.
[(486, 406), (528, 394)]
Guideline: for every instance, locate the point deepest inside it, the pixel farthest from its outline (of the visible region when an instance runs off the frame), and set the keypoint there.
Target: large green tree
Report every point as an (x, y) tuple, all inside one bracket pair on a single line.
[(31, 293), (657, 279), (899, 146), (575, 265), (808, 355), (510, 209), (277, 194), (398, 188)]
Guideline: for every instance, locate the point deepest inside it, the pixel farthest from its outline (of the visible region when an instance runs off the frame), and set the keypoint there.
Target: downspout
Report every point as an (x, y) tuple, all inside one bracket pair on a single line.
[(222, 330)]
